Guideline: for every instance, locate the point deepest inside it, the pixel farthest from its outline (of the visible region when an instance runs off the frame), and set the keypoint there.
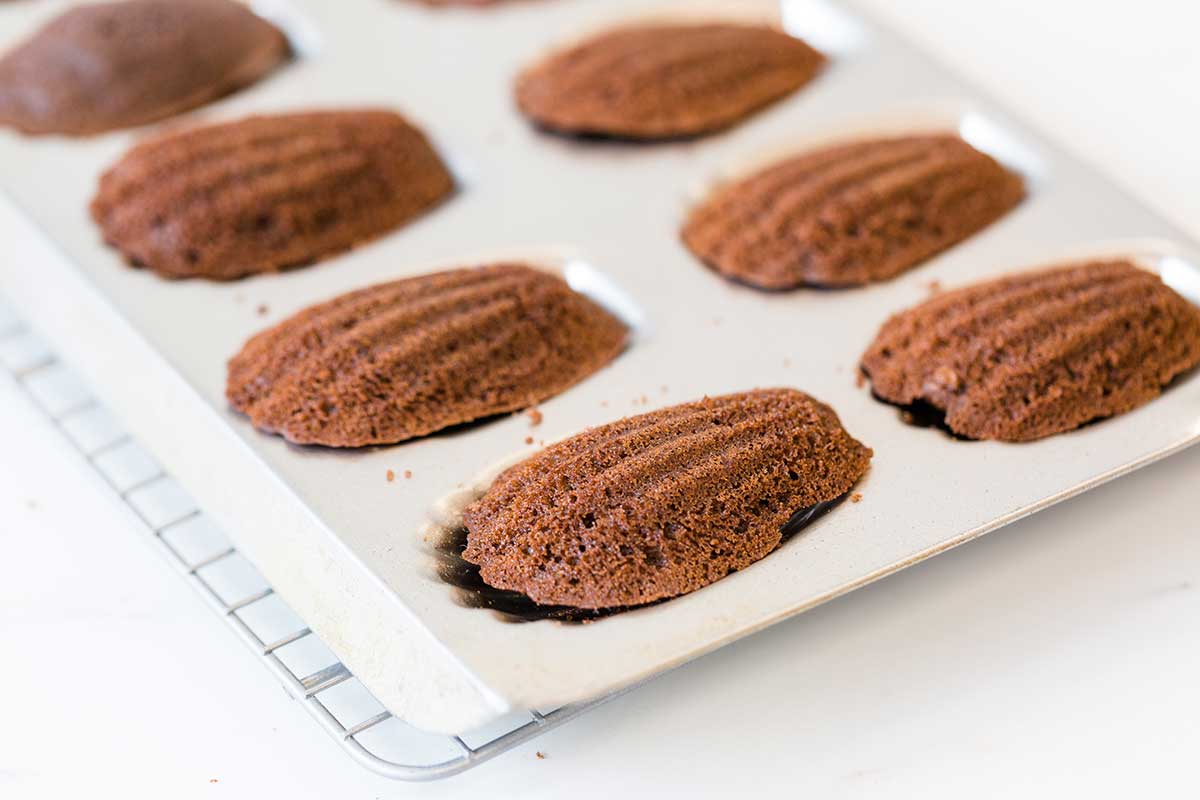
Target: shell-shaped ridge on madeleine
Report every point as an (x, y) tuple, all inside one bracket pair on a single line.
[(267, 193), (661, 504), (850, 214), (665, 81), (102, 66), (398, 360), (1038, 353)]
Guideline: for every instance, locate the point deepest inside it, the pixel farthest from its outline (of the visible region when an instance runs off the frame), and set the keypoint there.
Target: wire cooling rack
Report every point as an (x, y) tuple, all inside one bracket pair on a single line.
[(234, 589)]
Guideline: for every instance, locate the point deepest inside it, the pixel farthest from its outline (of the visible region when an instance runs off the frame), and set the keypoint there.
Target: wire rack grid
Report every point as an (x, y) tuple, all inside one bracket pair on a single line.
[(234, 589)]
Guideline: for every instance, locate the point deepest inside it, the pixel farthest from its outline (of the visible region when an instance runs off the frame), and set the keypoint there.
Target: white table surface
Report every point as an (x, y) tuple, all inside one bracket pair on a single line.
[(1058, 657)]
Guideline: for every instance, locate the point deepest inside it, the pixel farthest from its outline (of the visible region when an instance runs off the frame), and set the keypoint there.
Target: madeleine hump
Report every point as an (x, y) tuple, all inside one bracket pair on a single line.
[(850, 214), (404, 359), (665, 81), (661, 504), (1037, 353), (103, 66), (267, 193)]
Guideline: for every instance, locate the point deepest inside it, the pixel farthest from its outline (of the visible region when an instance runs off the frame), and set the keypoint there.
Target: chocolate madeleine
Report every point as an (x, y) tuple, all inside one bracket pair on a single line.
[(661, 504), (414, 356), (665, 81), (267, 193), (850, 214), (103, 66), (1038, 353)]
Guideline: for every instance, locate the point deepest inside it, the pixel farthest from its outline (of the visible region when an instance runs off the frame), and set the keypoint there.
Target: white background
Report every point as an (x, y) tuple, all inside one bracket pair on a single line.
[(1057, 657)]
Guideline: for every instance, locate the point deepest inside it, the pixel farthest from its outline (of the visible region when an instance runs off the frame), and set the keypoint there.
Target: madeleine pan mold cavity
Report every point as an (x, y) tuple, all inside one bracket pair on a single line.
[(343, 545), (824, 25), (302, 33), (589, 281)]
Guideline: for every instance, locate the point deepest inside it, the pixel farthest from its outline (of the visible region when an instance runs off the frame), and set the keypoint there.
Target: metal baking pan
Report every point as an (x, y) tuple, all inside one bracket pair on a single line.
[(347, 548)]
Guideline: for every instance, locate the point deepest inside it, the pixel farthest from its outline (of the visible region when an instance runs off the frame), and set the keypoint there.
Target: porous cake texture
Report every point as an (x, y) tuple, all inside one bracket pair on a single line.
[(852, 213), (661, 504), (267, 193), (665, 81), (1038, 353), (404, 359)]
